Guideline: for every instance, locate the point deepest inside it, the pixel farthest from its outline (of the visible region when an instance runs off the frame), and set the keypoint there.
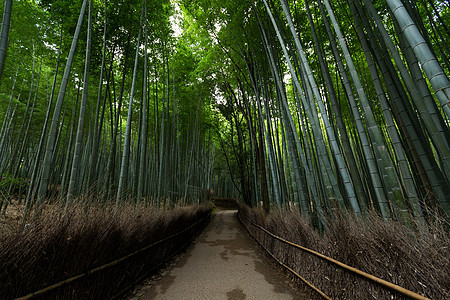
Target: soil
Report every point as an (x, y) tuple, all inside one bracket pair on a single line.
[(11, 219)]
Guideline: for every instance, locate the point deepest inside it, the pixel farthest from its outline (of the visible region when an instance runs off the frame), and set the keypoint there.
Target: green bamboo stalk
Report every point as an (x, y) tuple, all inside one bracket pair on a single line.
[(429, 63), (74, 180), (51, 142), (371, 162), (6, 21), (348, 153), (419, 93), (143, 141), (405, 173), (126, 147), (96, 136), (313, 189)]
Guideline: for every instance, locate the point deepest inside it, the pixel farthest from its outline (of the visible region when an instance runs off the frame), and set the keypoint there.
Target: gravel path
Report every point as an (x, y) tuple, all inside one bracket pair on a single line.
[(223, 264)]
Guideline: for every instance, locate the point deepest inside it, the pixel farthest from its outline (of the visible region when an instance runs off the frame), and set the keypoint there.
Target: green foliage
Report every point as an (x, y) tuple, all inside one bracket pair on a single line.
[(9, 183), (203, 89)]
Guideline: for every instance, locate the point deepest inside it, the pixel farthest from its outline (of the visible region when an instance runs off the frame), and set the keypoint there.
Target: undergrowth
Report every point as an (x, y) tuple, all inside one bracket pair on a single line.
[(55, 246), (8, 183), (416, 259)]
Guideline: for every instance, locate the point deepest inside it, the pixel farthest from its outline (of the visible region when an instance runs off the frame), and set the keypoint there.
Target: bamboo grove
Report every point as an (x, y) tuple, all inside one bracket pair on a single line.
[(96, 112), (318, 106), (335, 105)]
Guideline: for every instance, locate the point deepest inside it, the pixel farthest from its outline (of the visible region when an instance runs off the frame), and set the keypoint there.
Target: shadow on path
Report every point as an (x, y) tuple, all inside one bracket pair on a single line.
[(223, 264)]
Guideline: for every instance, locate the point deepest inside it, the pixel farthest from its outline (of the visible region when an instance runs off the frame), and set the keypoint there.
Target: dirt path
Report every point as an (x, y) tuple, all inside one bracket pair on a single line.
[(223, 264)]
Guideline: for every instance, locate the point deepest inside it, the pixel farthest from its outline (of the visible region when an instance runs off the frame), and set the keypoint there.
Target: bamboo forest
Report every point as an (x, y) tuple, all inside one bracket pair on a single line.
[(316, 131)]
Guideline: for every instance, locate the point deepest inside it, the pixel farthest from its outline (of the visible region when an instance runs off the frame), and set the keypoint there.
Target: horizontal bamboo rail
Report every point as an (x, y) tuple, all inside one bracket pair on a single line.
[(317, 290), (375, 279), (108, 265)]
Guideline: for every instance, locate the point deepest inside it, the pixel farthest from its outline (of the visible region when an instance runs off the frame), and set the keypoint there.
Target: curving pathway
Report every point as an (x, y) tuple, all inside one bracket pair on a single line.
[(223, 264)]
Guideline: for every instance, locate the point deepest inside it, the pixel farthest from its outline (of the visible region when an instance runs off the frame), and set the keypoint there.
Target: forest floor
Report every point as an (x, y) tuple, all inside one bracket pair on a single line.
[(224, 263), (11, 218)]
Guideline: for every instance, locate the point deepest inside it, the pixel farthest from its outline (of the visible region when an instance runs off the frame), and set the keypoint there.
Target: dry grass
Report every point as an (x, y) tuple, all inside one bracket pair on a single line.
[(57, 246), (417, 260)]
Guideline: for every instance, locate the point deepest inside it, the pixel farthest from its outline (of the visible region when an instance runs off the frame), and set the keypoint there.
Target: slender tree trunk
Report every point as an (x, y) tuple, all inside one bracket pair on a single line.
[(144, 117), (19, 140), (430, 65), (95, 136), (74, 180), (126, 147), (290, 123), (4, 34), (348, 153), (51, 142), (371, 162), (330, 132), (405, 173)]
